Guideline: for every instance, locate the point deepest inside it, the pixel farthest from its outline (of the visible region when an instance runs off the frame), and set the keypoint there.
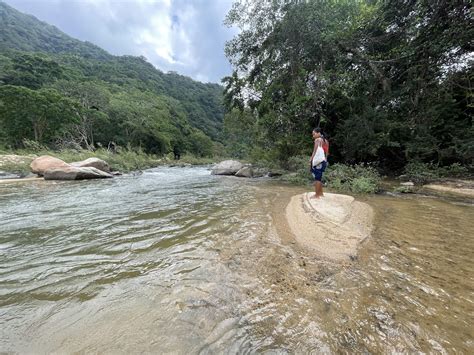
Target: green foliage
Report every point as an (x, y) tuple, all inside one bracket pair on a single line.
[(200, 144), (299, 169), (389, 81), (64, 93), (404, 189), (32, 71), (239, 133), (41, 115), (421, 173), (25, 33), (358, 178)]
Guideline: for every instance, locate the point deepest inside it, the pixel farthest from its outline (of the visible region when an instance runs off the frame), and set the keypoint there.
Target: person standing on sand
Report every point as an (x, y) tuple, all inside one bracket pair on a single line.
[(318, 169)]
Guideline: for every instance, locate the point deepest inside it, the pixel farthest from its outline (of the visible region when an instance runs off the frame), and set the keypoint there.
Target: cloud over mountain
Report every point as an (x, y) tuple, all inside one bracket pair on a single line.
[(175, 35)]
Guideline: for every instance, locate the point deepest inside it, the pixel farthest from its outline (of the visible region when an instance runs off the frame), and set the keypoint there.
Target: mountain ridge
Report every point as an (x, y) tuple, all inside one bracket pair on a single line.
[(37, 55)]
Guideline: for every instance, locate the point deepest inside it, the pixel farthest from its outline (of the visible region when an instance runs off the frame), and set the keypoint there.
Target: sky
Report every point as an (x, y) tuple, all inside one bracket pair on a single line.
[(186, 36)]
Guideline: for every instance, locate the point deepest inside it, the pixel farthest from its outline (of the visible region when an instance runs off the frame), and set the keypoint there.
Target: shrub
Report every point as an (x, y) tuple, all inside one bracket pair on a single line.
[(363, 185), (455, 169), (299, 170), (422, 173), (357, 178)]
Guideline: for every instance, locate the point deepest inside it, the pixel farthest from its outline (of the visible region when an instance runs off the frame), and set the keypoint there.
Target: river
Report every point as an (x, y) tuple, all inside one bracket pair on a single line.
[(176, 260)]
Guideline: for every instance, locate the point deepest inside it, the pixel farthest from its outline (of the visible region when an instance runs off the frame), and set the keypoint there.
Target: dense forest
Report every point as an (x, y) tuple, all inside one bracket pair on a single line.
[(60, 92), (389, 81)]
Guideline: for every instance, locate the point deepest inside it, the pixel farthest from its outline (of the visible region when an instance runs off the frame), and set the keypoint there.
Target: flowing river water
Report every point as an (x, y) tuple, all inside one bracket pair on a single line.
[(176, 260)]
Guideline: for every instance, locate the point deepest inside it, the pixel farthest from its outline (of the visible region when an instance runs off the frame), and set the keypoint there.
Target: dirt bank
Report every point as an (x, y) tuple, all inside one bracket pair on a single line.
[(333, 226)]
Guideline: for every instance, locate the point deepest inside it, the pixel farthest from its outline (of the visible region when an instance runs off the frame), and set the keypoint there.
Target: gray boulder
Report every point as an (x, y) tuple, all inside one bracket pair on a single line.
[(227, 167), (45, 162), (75, 173), (94, 163), (246, 171), (408, 184)]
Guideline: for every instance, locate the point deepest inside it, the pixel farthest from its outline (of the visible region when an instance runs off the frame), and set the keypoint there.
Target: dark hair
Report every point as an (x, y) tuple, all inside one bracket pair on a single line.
[(321, 132)]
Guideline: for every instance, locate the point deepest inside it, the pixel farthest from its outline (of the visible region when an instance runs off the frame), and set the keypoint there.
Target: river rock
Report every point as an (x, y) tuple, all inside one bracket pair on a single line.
[(333, 226), (94, 163), (408, 184), (227, 167), (46, 162), (275, 173), (246, 171), (259, 172), (75, 173)]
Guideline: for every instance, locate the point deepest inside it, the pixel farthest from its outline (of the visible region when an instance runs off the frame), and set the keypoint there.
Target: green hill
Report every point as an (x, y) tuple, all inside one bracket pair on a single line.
[(26, 33), (103, 98)]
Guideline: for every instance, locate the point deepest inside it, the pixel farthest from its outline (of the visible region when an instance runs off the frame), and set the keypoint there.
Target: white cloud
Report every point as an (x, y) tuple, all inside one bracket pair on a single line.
[(186, 36)]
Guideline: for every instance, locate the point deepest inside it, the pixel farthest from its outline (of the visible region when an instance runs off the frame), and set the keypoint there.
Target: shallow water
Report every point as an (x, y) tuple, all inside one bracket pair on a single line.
[(176, 260)]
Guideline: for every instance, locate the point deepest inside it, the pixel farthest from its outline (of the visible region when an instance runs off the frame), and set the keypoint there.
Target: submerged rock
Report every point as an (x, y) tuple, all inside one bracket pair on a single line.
[(46, 162), (75, 173), (227, 167), (94, 163), (333, 226)]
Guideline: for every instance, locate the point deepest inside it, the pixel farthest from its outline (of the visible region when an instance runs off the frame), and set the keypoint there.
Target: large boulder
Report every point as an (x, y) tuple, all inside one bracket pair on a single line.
[(46, 162), (227, 167), (94, 163), (75, 173), (246, 171)]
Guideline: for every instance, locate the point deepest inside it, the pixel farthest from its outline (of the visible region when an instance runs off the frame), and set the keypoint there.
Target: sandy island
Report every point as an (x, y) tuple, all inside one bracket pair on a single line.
[(333, 226)]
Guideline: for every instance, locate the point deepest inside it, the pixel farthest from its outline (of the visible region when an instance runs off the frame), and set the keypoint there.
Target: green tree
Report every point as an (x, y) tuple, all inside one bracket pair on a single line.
[(32, 71), (382, 77), (41, 115)]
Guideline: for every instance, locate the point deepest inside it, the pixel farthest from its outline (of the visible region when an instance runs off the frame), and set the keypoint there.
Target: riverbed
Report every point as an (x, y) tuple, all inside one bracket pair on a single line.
[(175, 260)]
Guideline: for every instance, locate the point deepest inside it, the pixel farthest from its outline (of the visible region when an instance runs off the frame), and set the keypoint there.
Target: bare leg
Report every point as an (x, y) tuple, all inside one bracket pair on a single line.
[(317, 190), (320, 185)]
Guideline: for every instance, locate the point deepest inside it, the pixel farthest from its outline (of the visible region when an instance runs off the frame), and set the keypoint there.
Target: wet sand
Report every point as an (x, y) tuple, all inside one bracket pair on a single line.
[(332, 227), (456, 190)]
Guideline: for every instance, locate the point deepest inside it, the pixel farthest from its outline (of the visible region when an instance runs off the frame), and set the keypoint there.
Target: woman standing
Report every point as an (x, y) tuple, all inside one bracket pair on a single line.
[(318, 162)]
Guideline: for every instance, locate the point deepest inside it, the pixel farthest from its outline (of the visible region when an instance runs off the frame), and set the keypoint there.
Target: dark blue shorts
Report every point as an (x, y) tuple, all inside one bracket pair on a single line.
[(318, 171)]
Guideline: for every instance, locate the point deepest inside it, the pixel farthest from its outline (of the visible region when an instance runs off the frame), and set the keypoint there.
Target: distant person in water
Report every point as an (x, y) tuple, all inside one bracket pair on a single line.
[(318, 169)]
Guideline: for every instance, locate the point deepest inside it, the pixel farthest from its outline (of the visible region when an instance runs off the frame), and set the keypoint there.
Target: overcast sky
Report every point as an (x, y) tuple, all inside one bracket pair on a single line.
[(186, 36)]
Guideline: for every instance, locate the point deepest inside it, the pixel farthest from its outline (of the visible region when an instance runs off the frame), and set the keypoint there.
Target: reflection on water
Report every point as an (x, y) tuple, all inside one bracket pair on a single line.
[(176, 260)]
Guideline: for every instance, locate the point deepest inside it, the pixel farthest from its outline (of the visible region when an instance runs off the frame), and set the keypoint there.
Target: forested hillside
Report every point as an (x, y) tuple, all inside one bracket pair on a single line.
[(62, 92), (389, 81)]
